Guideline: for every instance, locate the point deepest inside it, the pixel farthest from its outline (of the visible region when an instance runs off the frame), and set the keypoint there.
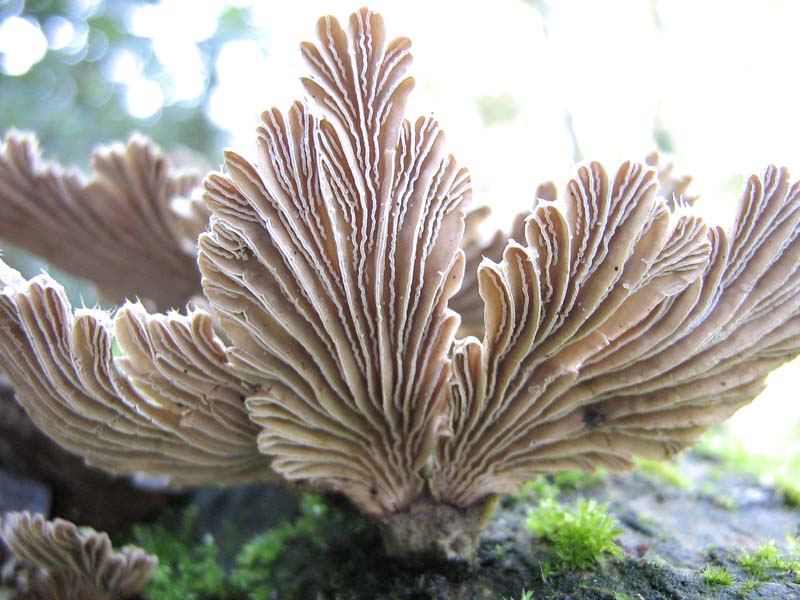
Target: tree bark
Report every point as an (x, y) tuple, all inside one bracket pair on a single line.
[(81, 494)]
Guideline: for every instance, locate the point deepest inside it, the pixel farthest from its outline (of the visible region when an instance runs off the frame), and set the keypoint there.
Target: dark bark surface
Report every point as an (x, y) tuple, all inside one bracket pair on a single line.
[(670, 534), (41, 476)]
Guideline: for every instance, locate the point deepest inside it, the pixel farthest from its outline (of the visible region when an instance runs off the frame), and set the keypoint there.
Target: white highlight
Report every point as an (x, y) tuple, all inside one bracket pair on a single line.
[(22, 45), (143, 98)]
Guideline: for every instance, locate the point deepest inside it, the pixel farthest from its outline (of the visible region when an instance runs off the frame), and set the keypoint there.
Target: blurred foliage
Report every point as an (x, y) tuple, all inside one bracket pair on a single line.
[(497, 110), (69, 98), (551, 486), (72, 101), (781, 473), (663, 139), (666, 471)]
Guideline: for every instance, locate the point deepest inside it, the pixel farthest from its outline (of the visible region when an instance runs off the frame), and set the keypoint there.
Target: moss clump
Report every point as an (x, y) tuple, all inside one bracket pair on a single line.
[(188, 569), (524, 595), (581, 537), (768, 560), (747, 587), (717, 576), (256, 572)]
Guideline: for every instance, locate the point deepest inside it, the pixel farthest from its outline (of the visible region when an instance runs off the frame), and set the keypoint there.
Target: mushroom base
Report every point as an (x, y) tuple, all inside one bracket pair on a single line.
[(430, 531)]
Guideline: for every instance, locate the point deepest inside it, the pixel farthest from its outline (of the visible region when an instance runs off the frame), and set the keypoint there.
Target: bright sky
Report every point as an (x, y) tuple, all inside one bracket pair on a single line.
[(719, 76)]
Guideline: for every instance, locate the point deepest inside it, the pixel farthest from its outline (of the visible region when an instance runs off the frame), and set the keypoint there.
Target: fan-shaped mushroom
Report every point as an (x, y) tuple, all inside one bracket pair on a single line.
[(616, 322), (59, 561), (136, 207)]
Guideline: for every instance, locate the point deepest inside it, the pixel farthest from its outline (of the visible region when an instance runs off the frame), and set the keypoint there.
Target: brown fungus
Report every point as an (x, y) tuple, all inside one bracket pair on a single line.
[(170, 406), (468, 303), (55, 560), (136, 207), (613, 322)]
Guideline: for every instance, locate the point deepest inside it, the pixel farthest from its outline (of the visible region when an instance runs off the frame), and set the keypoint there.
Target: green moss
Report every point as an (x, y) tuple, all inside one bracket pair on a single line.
[(524, 595), (580, 537), (187, 570), (190, 569), (715, 575), (767, 561), (255, 570), (747, 587), (500, 550)]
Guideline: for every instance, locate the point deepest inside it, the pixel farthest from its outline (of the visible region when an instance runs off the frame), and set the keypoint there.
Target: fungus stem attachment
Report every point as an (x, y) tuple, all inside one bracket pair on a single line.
[(433, 532)]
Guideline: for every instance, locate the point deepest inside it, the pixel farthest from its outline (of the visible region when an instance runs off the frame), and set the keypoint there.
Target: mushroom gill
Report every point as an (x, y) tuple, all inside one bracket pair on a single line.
[(136, 207), (613, 321), (55, 560)]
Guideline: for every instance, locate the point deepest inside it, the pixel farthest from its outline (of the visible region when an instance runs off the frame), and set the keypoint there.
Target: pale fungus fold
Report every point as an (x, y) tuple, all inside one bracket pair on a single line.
[(57, 560), (136, 207), (609, 322)]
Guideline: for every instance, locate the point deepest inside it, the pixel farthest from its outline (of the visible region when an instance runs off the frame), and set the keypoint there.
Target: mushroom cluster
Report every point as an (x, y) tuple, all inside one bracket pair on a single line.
[(611, 323)]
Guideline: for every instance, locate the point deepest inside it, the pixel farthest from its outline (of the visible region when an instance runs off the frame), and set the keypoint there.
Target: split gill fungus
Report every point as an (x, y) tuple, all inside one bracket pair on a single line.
[(350, 330), (55, 560)]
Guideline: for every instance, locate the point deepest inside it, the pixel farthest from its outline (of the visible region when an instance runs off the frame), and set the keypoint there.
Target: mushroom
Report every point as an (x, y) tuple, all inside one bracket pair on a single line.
[(330, 265), (136, 207), (169, 406), (467, 301), (617, 322), (55, 560)]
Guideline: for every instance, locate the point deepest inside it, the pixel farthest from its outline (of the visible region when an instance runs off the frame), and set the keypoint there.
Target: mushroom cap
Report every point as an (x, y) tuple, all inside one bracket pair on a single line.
[(169, 405)]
